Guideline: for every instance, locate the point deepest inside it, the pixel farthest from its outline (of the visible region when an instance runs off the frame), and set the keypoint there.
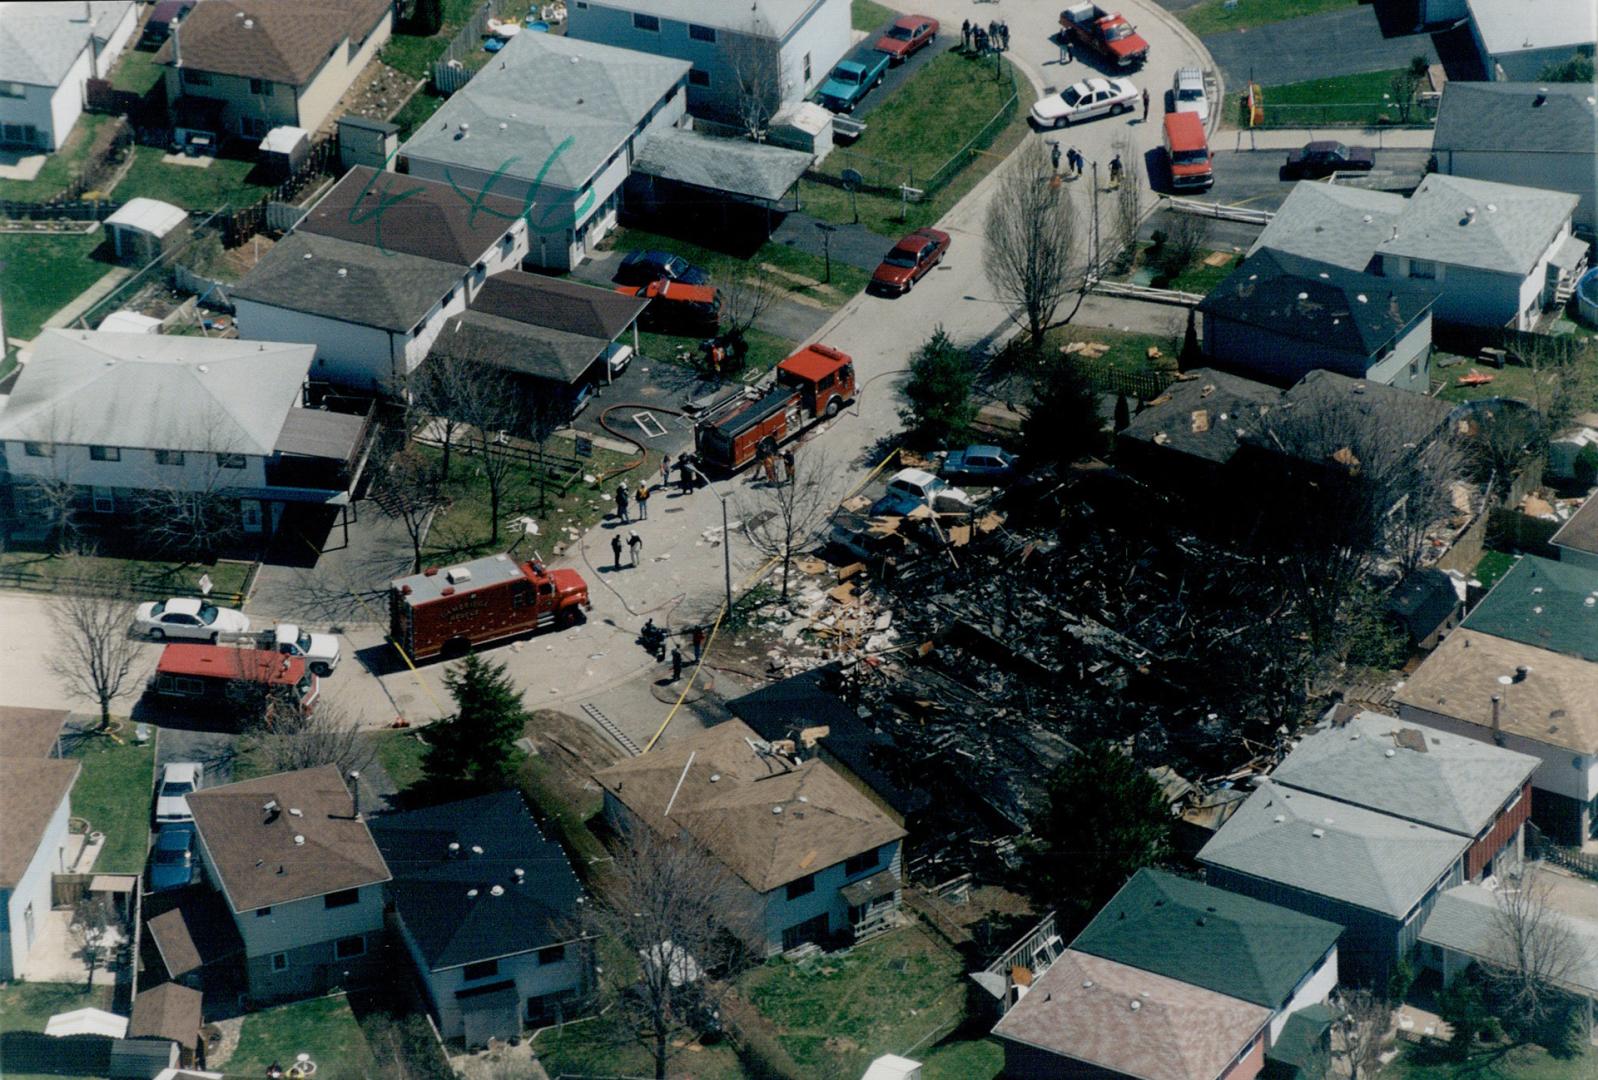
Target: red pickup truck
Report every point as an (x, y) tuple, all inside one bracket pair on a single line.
[(1105, 32)]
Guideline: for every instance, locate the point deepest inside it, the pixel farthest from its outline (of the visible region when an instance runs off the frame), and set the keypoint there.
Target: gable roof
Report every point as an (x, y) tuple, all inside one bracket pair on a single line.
[(39, 42), (30, 733), (568, 306), (34, 788), (1331, 224), (149, 216), (156, 392), (1327, 306), (1511, 26), (1580, 533), (1516, 117), (1204, 416), (388, 290), (1556, 703), (1198, 934), (169, 1011), (1509, 231), (1552, 605), (282, 41), (264, 857), (1417, 773), (774, 16), (412, 216), (737, 166), (1131, 1022), (1410, 417), (771, 821), (1328, 848), (547, 107), (505, 889), (515, 346)]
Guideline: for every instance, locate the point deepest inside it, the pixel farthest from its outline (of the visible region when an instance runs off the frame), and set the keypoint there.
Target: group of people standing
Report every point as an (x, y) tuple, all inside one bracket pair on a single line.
[(980, 39)]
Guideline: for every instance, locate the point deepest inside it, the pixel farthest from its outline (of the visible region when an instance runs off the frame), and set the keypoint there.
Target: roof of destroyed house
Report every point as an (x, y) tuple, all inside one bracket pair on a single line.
[(1580, 532), (1131, 1022), (1417, 773), (1511, 26), (477, 879), (735, 166), (281, 41), (412, 216), (33, 788), (285, 837), (1196, 933), (1331, 223), (1516, 117), (349, 281), (1503, 228), (1329, 848), (1349, 405), (169, 1011), (39, 43), (194, 930), (1555, 702), (1204, 416), (769, 819), (517, 347), (549, 108), (156, 392), (1423, 601), (1338, 309), (30, 733), (1553, 605), (1469, 919)]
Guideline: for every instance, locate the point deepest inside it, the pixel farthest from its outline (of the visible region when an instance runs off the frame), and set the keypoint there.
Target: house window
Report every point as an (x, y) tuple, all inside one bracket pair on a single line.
[(487, 969), (698, 78), (280, 961), (350, 947), (105, 453), (552, 955), (342, 898), (646, 22), (38, 449), (169, 457), (1422, 268), (262, 912), (807, 69), (803, 887), (13, 89), (702, 33), (230, 461), (105, 501), (260, 86), (253, 127), (859, 864), (191, 77)]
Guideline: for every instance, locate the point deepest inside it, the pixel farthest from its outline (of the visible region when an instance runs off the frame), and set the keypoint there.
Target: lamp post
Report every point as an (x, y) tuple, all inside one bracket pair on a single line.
[(726, 538)]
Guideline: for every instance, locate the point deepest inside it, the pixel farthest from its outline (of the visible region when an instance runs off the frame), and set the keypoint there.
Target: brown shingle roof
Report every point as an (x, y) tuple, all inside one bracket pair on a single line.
[(253, 850), (569, 306), (1580, 533), (286, 41), (169, 1011), (30, 791), (1131, 1021), (822, 821), (29, 733), (195, 931), (413, 216)]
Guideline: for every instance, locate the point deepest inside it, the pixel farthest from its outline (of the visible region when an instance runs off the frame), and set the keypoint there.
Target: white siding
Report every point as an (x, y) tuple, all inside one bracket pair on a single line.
[(306, 922), (1563, 771), (137, 469), (118, 40), (66, 103), (532, 980), (1576, 174), (1312, 991), (780, 913), (1468, 296), (346, 353), (33, 887), (318, 97), (825, 36)]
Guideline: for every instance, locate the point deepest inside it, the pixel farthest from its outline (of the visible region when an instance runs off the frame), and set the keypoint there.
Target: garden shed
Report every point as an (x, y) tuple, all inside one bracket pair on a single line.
[(144, 229)]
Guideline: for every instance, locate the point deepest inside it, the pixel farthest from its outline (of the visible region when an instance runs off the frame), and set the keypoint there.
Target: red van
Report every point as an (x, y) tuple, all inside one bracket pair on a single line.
[(1187, 152), (218, 676)]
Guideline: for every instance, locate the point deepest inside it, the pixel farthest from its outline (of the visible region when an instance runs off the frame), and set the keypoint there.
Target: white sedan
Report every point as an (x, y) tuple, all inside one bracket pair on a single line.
[(183, 618), (1085, 100)]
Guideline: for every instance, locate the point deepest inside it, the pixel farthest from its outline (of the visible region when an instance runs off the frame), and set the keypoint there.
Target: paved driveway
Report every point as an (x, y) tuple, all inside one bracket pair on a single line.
[(1315, 47)]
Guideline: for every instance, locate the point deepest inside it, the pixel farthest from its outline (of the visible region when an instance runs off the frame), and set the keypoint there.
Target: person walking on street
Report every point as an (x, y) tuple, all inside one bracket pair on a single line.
[(1054, 157), (642, 499), (769, 463), (685, 473), (1115, 171), (699, 642), (676, 663), (965, 36), (1073, 157), (787, 465), (1004, 36), (665, 470), (1145, 104), (621, 504), (615, 548), (635, 544)]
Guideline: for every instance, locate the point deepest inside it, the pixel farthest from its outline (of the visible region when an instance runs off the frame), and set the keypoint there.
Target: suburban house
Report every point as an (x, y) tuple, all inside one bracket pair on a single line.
[(485, 906), (34, 840), (302, 878), (1577, 539), (1516, 39), (771, 51), (1277, 317), (1221, 941), (1424, 775), (551, 123), (48, 53), (239, 68), (1495, 254), (1543, 603), (1541, 135), (129, 421), (1088, 1016), (820, 860), (1371, 873), (371, 273)]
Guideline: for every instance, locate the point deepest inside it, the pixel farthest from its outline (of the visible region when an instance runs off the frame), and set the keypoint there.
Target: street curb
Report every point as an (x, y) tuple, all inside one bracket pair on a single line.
[(1180, 29)]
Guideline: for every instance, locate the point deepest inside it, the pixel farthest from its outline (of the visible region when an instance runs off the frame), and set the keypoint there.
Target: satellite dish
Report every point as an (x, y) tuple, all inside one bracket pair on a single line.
[(852, 179)]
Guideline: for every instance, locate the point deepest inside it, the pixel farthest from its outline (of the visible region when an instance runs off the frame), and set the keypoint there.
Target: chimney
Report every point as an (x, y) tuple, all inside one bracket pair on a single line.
[(1541, 99), (1521, 672), (1498, 731), (177, 42), (355, 790)]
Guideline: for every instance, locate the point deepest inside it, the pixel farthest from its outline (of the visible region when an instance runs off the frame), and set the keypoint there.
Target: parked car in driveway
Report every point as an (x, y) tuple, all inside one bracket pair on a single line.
[(181, 618), (1322, 158), (908, 35), (642, 267), (179, 780), (909, 261), (675, 308), (912, 488), (979, 465), (1086, 100), (1187, 93), (172, 860)]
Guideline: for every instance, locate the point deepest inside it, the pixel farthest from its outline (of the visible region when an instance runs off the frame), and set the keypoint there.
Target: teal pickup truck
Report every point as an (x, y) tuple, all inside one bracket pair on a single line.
[(852, 80)]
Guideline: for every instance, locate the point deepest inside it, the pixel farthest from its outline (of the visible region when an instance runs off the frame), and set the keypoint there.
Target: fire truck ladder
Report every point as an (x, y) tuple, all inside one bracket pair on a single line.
[(608, 726)]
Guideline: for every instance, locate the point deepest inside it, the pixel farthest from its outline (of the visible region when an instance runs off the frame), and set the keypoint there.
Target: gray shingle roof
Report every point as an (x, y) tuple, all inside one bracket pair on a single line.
[(1332, 849), (1542, 602), (1455, 784), (754, 170), (517, 346), (1511, 26), (547, 104), (1174, 422), (775, 16), (1328, 223), (40, 42), (386, 289), (1504, 117), (156, 393), (1466, 919), (412, 216), (1508, 233)]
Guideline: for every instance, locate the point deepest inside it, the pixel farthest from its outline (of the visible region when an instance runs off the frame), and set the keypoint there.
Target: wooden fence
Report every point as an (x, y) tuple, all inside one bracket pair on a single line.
[(73, 210), (451, 71), (239, 225), (14, 576)]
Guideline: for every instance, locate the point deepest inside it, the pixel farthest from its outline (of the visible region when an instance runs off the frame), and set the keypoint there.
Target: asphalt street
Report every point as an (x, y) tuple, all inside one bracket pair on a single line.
[(1314, 47)]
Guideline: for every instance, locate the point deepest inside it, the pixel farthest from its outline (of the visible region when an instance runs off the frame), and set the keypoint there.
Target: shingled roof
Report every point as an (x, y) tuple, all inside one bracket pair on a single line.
[(282, 41), (1553, 605), (33, 789), (1205, 415), (349, 281), (412, 216), (1516, 117)]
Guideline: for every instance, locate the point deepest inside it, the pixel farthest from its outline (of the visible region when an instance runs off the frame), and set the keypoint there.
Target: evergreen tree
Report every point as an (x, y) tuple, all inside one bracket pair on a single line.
[(1577, 69), (476, 747), (938, 408), (428, 18), (1062, 423)]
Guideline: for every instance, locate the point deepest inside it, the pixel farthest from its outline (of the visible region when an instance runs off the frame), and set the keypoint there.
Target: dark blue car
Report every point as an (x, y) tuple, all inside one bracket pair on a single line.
[(172, 861), (643, 267)]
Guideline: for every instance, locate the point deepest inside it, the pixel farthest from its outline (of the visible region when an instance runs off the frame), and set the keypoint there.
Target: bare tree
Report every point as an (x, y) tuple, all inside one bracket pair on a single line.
[(1362, 1030), (1128, 203), (1031, 240), (785, 518), (285, 739), (744, 300), (492, 410), (94, 928), (95, 651), (1185, 237), (439, 389), (409, 491), (1535, 952), (682, 924), (755, 57)]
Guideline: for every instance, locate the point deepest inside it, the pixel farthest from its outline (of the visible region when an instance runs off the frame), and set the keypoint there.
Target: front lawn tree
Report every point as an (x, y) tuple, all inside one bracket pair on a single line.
[(475, 748), (1031, 241), (410, 492), (1062, 423), (94, 930), (785, 518), (1536, 952), (938, 408), (1577, 69), (95, 650)]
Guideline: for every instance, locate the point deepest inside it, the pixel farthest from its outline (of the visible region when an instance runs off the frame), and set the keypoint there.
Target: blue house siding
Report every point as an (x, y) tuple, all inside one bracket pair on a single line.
[(782, 914)]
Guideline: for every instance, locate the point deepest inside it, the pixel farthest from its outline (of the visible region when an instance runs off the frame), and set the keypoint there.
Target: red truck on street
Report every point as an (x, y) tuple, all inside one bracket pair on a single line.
[(1107, 33), (446, 612), (814, 382)]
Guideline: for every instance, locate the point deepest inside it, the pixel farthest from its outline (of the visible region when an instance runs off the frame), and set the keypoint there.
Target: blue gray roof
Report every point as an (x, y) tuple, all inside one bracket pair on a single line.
[(754, 170), (770, 16), (1413, 772), (39, 43), (1509, 230), (1552, 605), (1515, 117), (349, 281), (1328, 848), (1329, 223), (1468, 919)]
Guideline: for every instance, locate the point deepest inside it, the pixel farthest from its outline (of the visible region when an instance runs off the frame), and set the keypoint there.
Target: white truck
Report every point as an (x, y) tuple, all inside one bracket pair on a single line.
[(320, 651)]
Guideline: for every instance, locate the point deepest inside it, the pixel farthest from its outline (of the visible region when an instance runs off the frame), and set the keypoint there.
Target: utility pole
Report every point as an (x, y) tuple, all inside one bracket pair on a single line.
[(726, 539), (1093, 269), (826, 244)]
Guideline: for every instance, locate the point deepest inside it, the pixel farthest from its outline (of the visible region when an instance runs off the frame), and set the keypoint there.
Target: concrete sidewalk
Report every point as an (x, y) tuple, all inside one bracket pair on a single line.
[(1275, 139)]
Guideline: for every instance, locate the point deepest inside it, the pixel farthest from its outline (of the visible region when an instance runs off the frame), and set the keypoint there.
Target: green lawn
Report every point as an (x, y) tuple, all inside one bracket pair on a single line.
[(224, 181), (400, 753), (834, 1014), (113, 793), (765, 351), (868, 15), (1213, 17), (137, 72), (1493, 565), (799, 273), (596, 1048), (1512, 380), (28, 1006), (1128, 351), (423, 104), (415, 55), (325, 1028), (147, 579), (1198, 277), (44, 273), (1519, 1063), (59, 168), (968, 1059), (1343, 99)]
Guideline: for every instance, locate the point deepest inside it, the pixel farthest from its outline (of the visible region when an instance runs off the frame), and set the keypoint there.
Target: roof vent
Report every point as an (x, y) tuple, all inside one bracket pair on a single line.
[(497, 890), (521, 875), (1087, 984), (1521, 672), (1366, 219), (295, 812), (776, 809), (202, 369), (1134, 1005), (477, 850), (471, 894), (249, 24), (715, 776), (454, 848), (343, 272), (1389, 752), (503, 126), (306, 256), (1492, 208), (1303, 296), (1317, 833), (804, 798), (1541, 99), (299, 841), (574, 59), (1361, 297), (1279, 818)]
